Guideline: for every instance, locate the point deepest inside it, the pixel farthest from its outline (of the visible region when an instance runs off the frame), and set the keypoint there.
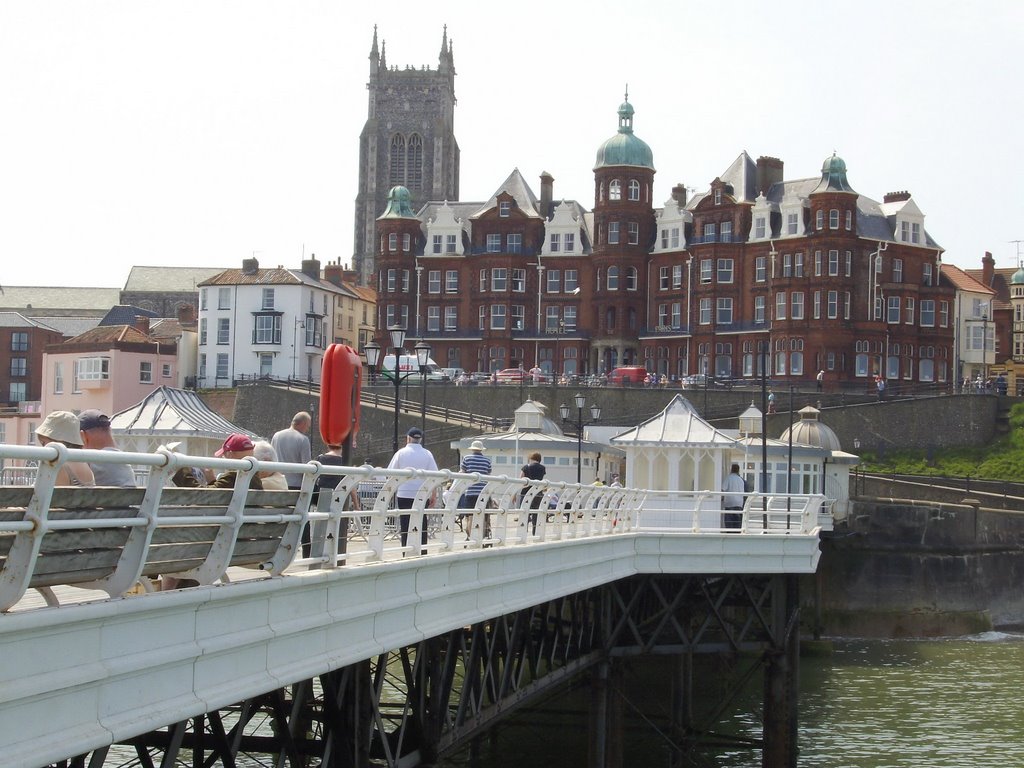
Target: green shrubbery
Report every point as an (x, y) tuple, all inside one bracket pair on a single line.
[(1002, 460)]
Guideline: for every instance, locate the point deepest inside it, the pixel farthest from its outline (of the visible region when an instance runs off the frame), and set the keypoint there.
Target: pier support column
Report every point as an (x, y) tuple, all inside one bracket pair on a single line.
[(781, 677), (682, 703), (605, 738)]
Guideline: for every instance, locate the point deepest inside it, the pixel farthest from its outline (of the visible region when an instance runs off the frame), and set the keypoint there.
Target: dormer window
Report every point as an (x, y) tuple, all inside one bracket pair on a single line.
[(792, 223), (718, 197), (759, 227), (504, 209), (615, 190), (634, 190)]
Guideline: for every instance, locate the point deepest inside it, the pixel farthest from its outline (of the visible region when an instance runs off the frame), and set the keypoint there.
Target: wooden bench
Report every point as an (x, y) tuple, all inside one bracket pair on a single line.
[(110, 538)]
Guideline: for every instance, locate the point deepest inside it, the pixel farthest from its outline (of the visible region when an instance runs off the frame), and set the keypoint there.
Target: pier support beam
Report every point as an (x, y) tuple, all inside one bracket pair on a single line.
[(605, 735), (781, 678)]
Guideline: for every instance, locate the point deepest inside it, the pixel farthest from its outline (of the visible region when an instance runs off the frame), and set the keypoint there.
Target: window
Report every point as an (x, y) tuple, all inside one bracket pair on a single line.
[(709, 233), (92, 369), (723, 314), (780, 306), (224, 330), (451, 318), (796, 305), (571, 280), (165, 370), (451, 281), (267, 330), (796, 363), (556, 242), (17, 391), (499, 279), (926, 274), (927, 313), (202, 330), (267, 301), (434, 281), (817, 263), (504, 208), (613, 278), (202, 299), (833, 219), (833, 263), (819, 220), (613, 233), (726, 232), (631, 279), (570, 242), (433, 319), (515, 243), (847, 304), (787, 265), (634, 232), (58, 378), (634, 190), (552, 319), (406, 243), (493, 243), (892, 312), (725, 270), (554, 277), (759, 309), (663, 282), (944, 314), (518, 317), (393, 242), (222, 365), (849, 220), (392, 280), (145, 372), (677, 276), (664, 238), (760, 269), (438, 243), (19, 366), (677, 314), (483, 318), (706, 265), (450, 243), (849, 263), (816, 303), (483, 280), (662, 315), (915, 233), (792, 223), (909, 320), (833, 305), (897, 270), (705, 311), (718, 197), (861, 364), (759, 227), (615, 190), (518, 280), (798, 265), (569, 319)]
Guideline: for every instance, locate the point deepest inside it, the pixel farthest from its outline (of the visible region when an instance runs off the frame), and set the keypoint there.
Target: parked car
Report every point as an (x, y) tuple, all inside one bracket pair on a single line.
[(452, 374), (627, 375), (513, 376), (700, 381)]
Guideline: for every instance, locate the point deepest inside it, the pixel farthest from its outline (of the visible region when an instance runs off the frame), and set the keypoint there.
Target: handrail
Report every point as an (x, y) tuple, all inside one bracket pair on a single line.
[(500, 518)]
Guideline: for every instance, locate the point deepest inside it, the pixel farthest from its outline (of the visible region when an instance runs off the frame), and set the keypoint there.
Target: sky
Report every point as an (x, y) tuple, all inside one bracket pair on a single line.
[(203, 132)]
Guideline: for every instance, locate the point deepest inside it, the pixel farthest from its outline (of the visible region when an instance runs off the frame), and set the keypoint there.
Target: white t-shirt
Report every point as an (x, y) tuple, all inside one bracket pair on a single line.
[(412, 456), (734, 488)]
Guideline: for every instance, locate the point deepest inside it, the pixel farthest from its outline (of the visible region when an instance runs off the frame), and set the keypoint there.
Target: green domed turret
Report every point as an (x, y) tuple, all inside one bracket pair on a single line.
[(624, 148), (399, 204), (1018, 277), (833, 176)]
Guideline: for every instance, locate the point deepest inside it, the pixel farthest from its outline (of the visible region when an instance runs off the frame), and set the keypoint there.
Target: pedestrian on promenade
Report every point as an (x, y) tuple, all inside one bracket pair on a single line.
[(292, 446), (733, 490), (820, 380), (533, 470), (412, 456), (880, 386), (474, 461), (62, 427), (96, 435)]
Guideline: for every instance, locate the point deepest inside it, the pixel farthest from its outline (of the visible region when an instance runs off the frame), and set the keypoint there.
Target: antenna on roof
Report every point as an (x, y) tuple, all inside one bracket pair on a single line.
[(1018, 242)]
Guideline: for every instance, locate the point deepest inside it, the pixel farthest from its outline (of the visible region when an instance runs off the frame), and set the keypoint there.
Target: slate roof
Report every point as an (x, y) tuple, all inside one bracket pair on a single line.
[(516, 186), (173, 279), (18, 320), (56, 297), (125, 314), (70, 326), (171, 412), (677, 424)]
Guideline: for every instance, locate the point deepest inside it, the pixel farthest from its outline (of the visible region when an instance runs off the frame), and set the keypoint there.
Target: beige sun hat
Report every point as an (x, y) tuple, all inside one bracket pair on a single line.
[(61, 426), (476, 445)]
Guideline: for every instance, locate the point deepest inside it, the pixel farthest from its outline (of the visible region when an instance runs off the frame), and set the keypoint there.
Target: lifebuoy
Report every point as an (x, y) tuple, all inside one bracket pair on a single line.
[(340, 385)]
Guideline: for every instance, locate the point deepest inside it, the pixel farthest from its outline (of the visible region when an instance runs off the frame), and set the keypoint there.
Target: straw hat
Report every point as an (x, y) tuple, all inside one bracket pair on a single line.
[(61, 426), (476, 445)]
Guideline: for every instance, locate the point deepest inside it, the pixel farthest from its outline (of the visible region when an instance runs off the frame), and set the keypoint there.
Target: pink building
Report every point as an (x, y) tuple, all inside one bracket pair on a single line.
[(109, 368)]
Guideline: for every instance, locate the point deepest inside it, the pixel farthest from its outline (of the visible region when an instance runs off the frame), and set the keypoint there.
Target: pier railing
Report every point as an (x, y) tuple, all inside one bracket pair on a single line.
[(114, 539)]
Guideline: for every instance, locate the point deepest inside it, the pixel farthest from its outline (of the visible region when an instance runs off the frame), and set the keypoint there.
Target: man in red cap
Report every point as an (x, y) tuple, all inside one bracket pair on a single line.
[(237, 446)]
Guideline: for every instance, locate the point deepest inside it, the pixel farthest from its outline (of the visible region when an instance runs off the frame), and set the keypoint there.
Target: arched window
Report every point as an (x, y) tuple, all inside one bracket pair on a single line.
[(397, 169), (634, 190), (613, 278), (615, 190), (414, 162), (833, 219), (631, 279)]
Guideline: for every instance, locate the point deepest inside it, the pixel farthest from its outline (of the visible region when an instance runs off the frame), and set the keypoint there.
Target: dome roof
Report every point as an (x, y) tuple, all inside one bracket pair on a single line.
[(624, 148), (1018, 277), (810, 431), (833, 176), (399, 204)]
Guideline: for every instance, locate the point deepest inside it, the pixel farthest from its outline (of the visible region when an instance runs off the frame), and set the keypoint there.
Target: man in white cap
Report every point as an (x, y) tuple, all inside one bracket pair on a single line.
[(412, 456)]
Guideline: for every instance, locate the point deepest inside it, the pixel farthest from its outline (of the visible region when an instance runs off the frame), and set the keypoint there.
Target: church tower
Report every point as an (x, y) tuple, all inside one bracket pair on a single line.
[(408, 140)]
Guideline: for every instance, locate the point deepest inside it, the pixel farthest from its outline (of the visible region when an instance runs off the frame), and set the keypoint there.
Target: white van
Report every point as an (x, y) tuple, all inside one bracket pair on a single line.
[(408, 364)]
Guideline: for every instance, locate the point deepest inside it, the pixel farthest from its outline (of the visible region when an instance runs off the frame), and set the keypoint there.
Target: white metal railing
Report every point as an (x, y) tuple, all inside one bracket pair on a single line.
[(354, 523)]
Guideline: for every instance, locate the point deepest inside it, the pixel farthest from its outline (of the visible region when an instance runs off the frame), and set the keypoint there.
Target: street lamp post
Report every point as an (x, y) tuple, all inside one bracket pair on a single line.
[(595, 415), (372, 350)]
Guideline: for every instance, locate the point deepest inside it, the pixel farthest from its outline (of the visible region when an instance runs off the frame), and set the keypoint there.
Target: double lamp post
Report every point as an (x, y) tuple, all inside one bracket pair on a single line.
[(373, 359), (595, 415)]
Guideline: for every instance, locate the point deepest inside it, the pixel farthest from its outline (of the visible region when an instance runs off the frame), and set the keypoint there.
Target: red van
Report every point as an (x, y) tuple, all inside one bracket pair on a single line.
[(627, 375)]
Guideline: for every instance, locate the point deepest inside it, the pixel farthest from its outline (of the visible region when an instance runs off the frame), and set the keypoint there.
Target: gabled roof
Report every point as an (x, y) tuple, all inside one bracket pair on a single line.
[(1001, 278), (125, 314), (175, 279), (742, 177), (963, 281), (111, 334), (18, 320), (678, 424), (272, 276), (516, 186), (167, 411), (69, 326)]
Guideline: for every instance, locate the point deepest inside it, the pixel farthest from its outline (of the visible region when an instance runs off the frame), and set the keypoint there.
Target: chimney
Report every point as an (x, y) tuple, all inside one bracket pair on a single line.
[(769, 172), (250, 266), (142, 324), (186, 314), (988, 269), (679, 195), (547, 183), (311, 267), (334, 273), (896, 197), (350, 275)]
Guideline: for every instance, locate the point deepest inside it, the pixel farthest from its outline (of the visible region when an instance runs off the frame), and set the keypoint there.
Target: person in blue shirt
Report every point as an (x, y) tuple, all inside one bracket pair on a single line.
[(474, 461)]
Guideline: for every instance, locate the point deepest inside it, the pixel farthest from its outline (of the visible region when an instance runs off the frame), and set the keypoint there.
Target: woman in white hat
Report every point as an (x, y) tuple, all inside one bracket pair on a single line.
[(62, 427)]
